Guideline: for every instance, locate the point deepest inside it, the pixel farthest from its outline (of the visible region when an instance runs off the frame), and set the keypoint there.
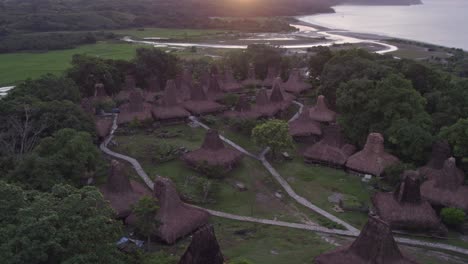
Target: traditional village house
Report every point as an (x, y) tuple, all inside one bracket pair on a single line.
[(321, 113), (304, 127), (170, 107), (199, 104), (135, 109), (204, 248), (295, 84)]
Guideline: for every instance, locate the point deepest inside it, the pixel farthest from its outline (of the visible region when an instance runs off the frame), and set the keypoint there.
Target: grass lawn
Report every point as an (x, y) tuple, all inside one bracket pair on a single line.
[(168, 33)]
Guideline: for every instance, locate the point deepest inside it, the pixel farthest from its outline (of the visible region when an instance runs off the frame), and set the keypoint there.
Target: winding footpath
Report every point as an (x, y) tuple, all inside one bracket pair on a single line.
[(351, 232)]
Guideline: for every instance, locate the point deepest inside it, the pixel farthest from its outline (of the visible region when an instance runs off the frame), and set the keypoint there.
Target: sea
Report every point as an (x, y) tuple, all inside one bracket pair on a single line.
[(441, 22)]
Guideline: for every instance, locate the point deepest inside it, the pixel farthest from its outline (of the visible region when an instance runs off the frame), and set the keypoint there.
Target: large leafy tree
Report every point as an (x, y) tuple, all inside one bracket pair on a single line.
[(457, 135), (273, 134), (67, 225), (150, 62), (145, 211)]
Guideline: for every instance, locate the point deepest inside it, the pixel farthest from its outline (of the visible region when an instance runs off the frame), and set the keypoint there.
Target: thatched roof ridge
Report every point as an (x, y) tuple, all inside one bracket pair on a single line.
[(251, 78), (262, 97), (176, 218), (170, 108), (103, 126), (199, 104), (450, 181), (213, 90), (136, 108), (374, 245), (434, 168), (263, 105), (372, 159), (184, 83), (213, 153), (321, 113), (405, 209), (230, 84), (331, 150), (304, 126), (271, 76), (295, 83), (276, 93), (203, 249), (170, 94)]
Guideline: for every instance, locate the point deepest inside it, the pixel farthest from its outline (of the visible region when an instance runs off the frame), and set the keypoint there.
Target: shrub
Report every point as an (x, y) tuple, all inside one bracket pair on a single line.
[(452, 216)]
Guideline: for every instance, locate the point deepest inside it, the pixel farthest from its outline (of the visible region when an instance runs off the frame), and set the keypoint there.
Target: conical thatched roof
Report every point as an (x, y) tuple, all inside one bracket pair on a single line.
[(433, 169), (204, 248), (372, 159), (279, 97), (213, 90), (295, 83), (321, 113), (199, 104), (230, 83), (304, 126), (100, 90), (405, 209), (272, 74), (374, 245), (136, 101), (184, 83), (243, 110), (170, 107), (120, 191), (213, 153), (251, 78), (263, 105), (446, 191), (331, 150), (130, 82), (103, 127), (136, 108)]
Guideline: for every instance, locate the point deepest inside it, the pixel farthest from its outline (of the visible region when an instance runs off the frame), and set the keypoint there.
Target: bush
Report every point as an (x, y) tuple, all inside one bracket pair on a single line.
[(452, 216)]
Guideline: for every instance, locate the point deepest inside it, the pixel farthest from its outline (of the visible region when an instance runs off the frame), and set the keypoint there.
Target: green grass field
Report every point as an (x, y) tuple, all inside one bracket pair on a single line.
[(168, 33)]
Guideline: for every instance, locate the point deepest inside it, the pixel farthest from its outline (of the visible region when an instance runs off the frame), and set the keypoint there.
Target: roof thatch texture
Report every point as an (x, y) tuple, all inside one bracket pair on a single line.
[(176, 218), (130, 82), (405, 209), (243, 110), (213, 90), (321, 113), (170, 107), (433, 169), (103, 126), (251, 78), (230, 84), (184, 83), (120, 191), (304, 126), (272, 74), (213, 153), (374, 245), (100, 90), (135, 109), (372, 159), (199, 104), (331, 150), (264, 106), (153, 88), (204, 248), (279, 97), (446, 190), (295, 83)]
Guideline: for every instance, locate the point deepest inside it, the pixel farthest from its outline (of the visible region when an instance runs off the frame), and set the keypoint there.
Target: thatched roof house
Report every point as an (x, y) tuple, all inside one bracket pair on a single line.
[(204, 248), (230, 84), (103, 127), (120, 191), (304, 126), (243, 110), (170, 108), (374, 245), (372, 159), (129, 85), (295, 83), (434, 168), (251, 78), (321, 113), (213, 90), (263, 106), (184, 83), (135, 109), (100, 90), (279, 97), (213, 154), (405, 209), (199, 104), (176, 219), (446, 190), (153, 88), (272, 74), (331, 150)]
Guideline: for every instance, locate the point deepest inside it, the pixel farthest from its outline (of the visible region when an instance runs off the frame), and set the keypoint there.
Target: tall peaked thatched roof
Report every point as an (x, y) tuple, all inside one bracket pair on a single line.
[(136, 108), (447, 190), (243, 110), (136, 101), (321, 113), (279, 97), (170, 94), (199, 104), (170, 108), (304, 126), (213, 153), (372, 159), (213, 90), (263, 106), (295, 83), (374, 245), (204, 248), (103, 127), (272, 74), (251, 78), (331, 150), (434, 168), (184, 83), (262, 97), (230, 84), (120, 191), (405, 209)]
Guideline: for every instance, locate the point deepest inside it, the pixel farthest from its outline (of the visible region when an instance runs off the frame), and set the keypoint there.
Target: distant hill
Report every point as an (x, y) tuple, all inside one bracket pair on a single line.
[(383, 2)]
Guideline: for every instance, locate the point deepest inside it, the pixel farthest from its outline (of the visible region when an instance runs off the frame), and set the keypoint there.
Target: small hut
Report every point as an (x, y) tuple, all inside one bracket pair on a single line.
[(243, 110), (272, 74), (304, 126), (103, 127), (170, 108), (199, 104), (213, 154), (446, 190), (176, 219), (135, 109), (204, 248), (374, 245), (404, 209), (434, 168), (321, 113), (279, 97), (331, 150), (230, 84), (372, 159), (295, 83), (251, 78), (121, 192), (263, 106)]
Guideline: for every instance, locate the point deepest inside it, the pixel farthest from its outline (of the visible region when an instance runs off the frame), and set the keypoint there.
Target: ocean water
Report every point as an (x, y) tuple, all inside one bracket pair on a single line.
[(442, 22)]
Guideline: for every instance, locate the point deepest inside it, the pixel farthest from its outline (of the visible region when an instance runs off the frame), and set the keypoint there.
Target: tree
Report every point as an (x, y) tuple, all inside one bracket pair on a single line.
[(150, 62), (452, 216), (318, 61), (67, 225), (145, 211), (273, 134), (457, 136)]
